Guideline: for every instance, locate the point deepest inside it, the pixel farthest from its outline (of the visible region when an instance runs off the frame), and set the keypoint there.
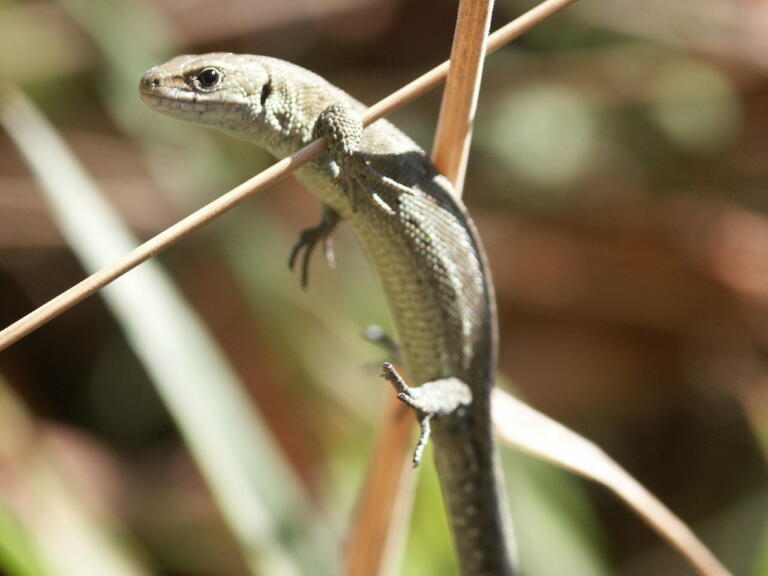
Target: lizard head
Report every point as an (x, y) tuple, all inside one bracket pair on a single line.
[(224, 90), (267, 101)]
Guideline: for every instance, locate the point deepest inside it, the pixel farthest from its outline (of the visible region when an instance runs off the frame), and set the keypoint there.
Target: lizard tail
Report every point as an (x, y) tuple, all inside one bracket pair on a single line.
[(473, 489)]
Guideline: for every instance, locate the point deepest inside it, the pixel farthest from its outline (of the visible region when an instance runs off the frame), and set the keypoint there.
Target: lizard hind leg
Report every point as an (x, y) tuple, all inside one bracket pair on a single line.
[(309, 239), (375, 334), (430, 400)]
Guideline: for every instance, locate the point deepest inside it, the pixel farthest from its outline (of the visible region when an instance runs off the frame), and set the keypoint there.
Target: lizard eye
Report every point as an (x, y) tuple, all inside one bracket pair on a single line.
[(208, 78)]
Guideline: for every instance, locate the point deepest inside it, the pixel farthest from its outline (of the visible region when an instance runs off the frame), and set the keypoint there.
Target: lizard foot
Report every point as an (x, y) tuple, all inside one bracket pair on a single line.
[(309, 239), (430, 400)]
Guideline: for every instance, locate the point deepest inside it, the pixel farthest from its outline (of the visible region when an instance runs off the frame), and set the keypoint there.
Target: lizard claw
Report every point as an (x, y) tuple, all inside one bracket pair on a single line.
[(426, 431), (308, 240)]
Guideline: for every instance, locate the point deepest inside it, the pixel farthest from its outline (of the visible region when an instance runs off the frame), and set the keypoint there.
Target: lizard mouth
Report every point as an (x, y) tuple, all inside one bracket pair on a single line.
[(167, 102)]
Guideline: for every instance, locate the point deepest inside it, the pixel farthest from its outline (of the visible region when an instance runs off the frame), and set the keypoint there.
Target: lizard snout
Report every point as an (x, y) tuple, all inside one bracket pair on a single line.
[(149, 82)]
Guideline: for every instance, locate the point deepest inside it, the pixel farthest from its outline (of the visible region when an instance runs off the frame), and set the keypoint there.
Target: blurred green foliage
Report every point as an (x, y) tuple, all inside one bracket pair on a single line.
[(618, 180)]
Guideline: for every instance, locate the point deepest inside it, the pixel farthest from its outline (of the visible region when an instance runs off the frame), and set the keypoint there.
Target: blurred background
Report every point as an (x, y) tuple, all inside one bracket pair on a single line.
[(210, 417)]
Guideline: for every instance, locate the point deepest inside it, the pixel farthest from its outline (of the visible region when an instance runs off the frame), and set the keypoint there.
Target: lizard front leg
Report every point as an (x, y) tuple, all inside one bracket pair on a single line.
[(342, 132), (309, 239)]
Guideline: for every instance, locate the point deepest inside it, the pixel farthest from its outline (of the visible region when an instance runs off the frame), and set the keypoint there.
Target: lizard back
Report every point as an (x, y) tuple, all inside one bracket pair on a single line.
[(421, 240)]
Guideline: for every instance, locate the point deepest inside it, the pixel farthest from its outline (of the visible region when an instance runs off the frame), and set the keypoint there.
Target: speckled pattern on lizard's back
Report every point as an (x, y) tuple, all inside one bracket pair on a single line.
[(419, 238)]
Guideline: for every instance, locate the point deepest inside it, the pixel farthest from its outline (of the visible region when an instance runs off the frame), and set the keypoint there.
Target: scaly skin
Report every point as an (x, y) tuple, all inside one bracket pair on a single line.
[(419, 238)]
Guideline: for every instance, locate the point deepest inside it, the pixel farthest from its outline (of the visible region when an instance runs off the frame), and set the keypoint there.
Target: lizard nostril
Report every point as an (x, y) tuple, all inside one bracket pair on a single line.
[(150, 84)]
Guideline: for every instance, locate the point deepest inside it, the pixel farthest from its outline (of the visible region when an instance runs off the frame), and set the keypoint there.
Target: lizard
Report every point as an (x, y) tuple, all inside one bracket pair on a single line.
[(418, 236)]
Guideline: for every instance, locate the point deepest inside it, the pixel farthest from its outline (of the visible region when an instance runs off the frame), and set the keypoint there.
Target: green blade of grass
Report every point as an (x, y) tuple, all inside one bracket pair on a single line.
[(257, 492), (48, 527)]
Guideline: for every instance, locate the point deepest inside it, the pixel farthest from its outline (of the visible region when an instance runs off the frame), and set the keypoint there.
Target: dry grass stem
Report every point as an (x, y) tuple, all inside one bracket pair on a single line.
[(378, 530), (153, 246), (271, 175), (436, 76), (457, 111), (526, 429)]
